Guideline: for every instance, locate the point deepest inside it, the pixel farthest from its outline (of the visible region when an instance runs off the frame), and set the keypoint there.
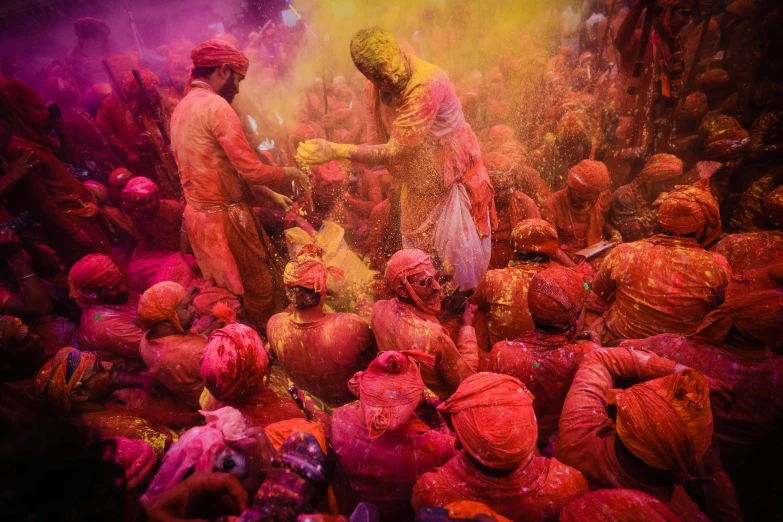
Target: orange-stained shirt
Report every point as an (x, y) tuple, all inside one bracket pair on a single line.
[(751, 250), (175, 360), (577, 229)]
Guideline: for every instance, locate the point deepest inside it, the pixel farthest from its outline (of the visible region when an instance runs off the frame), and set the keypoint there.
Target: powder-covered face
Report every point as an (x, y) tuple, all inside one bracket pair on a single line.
[(387, 70)]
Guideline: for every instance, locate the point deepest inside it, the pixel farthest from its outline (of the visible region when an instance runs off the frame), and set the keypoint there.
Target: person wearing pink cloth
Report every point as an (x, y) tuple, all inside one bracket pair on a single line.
[(109, 322), (172, 354), (319, 351), (547, 358), (381, 444), (409, 322), (617, 505), (217, 167), (493, 417)]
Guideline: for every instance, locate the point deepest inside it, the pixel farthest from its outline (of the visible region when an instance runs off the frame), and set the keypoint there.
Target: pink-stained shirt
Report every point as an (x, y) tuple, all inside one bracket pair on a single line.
[(111, 330), (175, 360)]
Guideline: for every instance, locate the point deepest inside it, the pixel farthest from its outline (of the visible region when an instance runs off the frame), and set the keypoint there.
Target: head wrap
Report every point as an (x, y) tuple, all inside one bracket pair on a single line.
[(9, 326), (98, 190), (694, 107), (662, 167), (589, 177), (136, 189), (136, 457), (556, 296), (131, 88), (573, 129), (308, 270), (755, 315), (159, 303), (493, 417), (215, 53), (93, 271), (116, 178), (404, 263), (390, 389), (51, 382), (234, 363), (536, 236), (21, 98), (667, 422), (617, 505), (687, 210), (773, 206)]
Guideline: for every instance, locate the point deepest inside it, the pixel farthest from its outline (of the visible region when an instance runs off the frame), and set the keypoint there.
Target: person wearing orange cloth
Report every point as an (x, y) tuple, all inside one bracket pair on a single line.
[(319, 351), (416, 128), (381, 444), (172, 354), (493, 417), (579, 212), (667, 283), (635, 205), (409, 322), (617, 505), (233, 367), (216, 166), (50, 193), (659, 439), (513, 206), (502, 294), (546, 358), (109, 323)]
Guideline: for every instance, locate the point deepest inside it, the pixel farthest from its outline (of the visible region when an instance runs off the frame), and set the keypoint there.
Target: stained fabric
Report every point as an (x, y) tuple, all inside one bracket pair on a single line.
[(556, 296), (589, 177), (617, 505), (577, 229), (138, 188), (308, 269), (115, 424), (469, 510), (215, 53), (92, 272), (661, 167), (111, 330), (750, 213), (175, 360), (234, 362), (159, 303), (481, 411), (278, 432), (773, 206), (535, 236), (136, 457), (687, 210), (751, 250), (404, 263), (55, 385), (130, 86)]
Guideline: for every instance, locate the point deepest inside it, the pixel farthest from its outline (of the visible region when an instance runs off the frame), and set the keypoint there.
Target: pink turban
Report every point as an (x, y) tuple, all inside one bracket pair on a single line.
[(131, 88), (136, 457), (93, 271), (98, 190), (159, 303), (589, 177), (136, 189), (215, 53), (556, 296), (234, 363), (308, 270), (404, 263), (493, 417)]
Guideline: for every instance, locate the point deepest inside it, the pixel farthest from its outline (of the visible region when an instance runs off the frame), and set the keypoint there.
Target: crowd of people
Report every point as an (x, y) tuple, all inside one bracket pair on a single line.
[(551, 289)]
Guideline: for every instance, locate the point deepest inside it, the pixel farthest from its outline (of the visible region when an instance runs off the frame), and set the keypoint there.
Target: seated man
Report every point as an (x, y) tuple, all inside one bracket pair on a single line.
[(513, 206), (622, 505), (172, 354), (667, 283), (21, 353), (233, 368), (662, 431), (381, 444), (546, 359), (319, 351), (109, 322), (635, 205), (502, 294), (495, 424), (408, 322)]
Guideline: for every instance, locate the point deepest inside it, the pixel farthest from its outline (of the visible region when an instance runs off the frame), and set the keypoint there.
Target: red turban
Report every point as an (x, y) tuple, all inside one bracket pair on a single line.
[(404, 263), (131, 89), (98, 190), (234, 363), (573, 129), (667, 422), (535, 235), (51, 382), (493, 417), (136, 457), (773, 206), (215, 53), (662, 167), (93, 271), (136, 189), (390, 389), (159, 303), (556, 296), (617, 505), (117, 177), (589, 177), (689, 209), (308, 270), (755, 315)]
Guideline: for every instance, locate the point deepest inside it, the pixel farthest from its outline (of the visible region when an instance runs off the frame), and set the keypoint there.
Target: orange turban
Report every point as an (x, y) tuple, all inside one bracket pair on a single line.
[(308, 270), (535, 235), (662, 167), (573, 129), (689, 209), (234, 363), (93, 271), (404, 263), (556, 296), (755, 315), (390, 389), (589, 177), (136, 189), (51, 382), (773, 206), (493, 417), (215, 53), (131, 88), (159, 303), (667, 422), (617, 505)]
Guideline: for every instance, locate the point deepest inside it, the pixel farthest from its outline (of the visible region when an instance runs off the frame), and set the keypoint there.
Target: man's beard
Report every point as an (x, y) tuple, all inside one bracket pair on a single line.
[(229, 91)]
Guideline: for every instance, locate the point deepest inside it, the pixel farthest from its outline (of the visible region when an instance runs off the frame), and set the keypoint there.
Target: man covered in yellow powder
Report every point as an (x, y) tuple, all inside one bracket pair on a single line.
[(417, 129)]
